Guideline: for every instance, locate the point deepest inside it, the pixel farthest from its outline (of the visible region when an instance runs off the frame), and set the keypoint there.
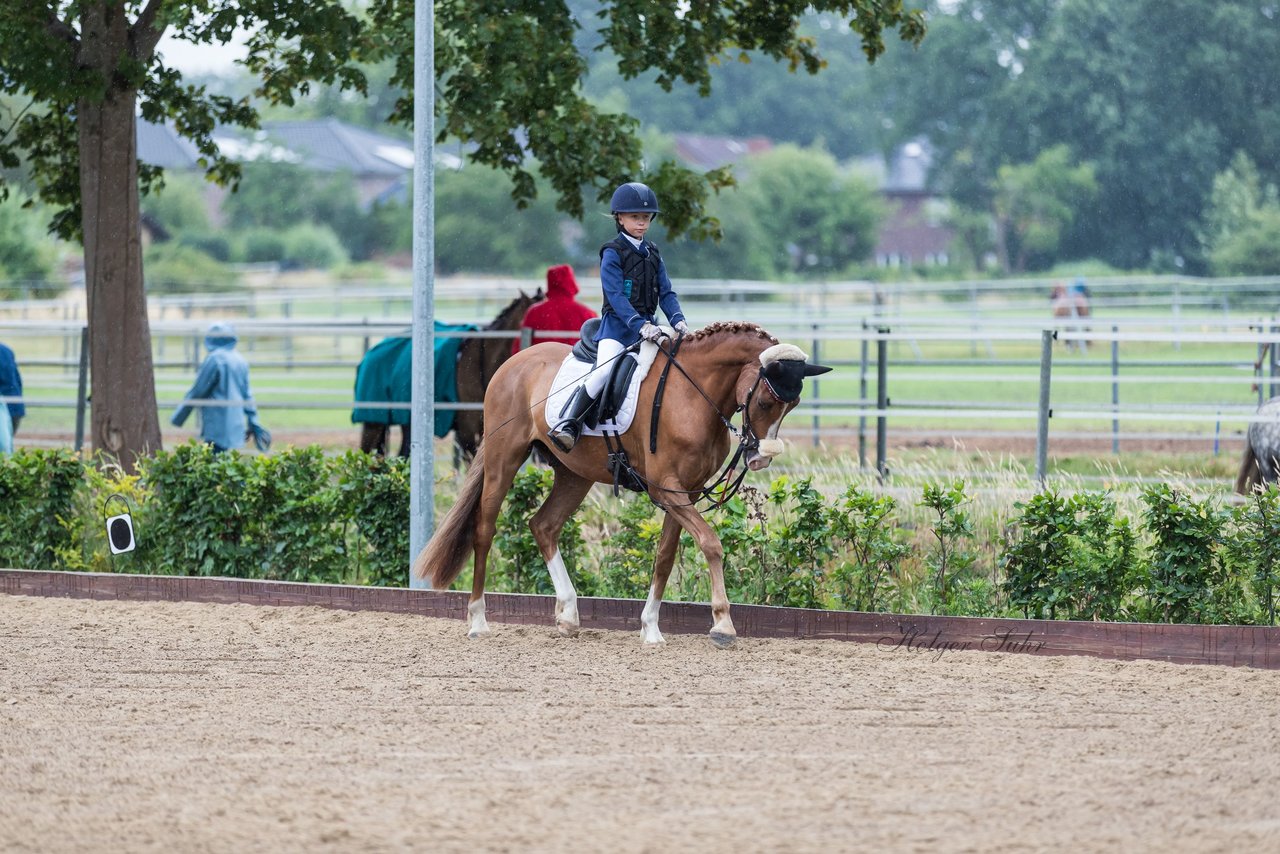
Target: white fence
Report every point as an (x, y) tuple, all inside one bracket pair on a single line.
[(1171, 360)]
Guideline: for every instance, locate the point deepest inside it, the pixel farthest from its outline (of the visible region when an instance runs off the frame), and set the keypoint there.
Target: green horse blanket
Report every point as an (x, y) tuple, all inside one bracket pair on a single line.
[(385, 375)]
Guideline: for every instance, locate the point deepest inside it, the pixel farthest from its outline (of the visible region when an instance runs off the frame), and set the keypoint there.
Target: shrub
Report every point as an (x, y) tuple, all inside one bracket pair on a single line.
[(860, 525), (177, 269), (39, 491), (626, 566), (214, 244), (373, 492), (1070, 558), (261, 246), (313, 247), (246, 516), (951, 530), (1254, 548), (1183, 563)]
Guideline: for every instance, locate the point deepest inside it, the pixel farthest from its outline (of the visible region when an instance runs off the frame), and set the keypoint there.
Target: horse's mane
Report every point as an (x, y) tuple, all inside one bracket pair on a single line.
[(517, 307), (729, 327)]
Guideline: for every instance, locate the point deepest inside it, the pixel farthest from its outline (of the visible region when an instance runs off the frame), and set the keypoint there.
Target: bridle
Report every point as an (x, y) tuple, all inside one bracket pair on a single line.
[(729, 481)]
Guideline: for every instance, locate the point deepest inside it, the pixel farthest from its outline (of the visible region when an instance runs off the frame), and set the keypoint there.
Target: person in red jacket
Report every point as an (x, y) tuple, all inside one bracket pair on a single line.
[(559, 312)]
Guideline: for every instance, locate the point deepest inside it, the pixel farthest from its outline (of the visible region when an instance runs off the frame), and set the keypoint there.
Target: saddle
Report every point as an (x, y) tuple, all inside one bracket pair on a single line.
[(620, 373), (612, 409)]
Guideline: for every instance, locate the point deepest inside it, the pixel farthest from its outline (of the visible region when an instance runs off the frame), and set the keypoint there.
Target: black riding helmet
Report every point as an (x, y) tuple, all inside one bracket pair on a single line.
[(633, 197)]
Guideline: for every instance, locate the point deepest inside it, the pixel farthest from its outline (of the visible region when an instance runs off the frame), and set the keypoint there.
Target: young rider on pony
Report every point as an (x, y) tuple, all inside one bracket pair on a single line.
[(636, 285)]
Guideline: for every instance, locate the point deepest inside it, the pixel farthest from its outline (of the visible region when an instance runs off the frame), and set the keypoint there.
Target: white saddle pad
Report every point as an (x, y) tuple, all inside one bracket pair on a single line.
[(572, 373)]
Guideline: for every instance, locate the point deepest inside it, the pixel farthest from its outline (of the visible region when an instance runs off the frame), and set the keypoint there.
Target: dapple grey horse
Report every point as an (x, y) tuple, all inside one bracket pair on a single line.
[(1261, 462)]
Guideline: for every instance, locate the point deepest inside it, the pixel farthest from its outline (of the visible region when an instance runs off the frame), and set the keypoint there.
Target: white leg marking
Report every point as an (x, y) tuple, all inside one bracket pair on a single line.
[(649, 619), (479, 625), (566, 597)]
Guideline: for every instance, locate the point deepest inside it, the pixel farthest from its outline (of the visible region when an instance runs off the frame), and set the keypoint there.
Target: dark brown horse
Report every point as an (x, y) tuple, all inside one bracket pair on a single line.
[(478, 358), (723, 369)]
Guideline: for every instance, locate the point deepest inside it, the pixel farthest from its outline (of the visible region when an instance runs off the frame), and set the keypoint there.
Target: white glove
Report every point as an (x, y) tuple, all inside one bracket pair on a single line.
[(682, 327), (651, 332)]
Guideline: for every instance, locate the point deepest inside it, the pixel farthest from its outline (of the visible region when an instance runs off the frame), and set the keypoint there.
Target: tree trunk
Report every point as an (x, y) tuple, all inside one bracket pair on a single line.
[(125, 422)]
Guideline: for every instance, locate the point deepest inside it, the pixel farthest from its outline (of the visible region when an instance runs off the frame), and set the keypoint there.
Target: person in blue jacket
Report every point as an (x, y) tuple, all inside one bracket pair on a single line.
[(636, 285), (6, 431), (223, 376), (10, 387)]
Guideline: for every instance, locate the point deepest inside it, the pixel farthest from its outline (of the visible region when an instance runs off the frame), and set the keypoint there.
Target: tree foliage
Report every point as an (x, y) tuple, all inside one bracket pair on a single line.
[(1241, 226), (1035, 203), (484, 231), (522, 122), (1157, 94)]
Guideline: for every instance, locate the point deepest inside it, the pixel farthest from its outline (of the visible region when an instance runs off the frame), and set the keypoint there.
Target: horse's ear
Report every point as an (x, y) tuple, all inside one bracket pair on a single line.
[(814, 370)]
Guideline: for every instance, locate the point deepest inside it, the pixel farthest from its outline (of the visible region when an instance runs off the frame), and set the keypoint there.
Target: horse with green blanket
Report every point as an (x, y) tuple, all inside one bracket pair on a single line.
[(463, 367)]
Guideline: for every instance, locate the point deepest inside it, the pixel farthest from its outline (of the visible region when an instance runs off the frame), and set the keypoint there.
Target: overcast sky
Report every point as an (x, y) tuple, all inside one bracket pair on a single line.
[(200, 58)]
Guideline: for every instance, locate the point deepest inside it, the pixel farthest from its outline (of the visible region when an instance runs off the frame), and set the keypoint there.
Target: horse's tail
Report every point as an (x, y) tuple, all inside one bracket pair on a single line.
[(1249, 476), (442, 558)]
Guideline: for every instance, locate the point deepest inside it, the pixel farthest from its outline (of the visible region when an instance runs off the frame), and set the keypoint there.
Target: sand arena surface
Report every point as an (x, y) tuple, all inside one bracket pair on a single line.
[(192, 727)]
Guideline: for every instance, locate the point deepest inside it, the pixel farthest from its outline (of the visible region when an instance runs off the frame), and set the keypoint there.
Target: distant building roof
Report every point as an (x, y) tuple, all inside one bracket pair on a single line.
[(704, 152), (908, 167), (160, 145), (329, 145), (325, 145)]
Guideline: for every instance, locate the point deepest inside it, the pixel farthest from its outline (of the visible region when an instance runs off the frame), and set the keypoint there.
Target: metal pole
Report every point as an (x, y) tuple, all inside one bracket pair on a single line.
[(1257, 371), (882, 401), (1275, 364), (422, 449), (1115, 391), (287, 308), (815, 359), (1177, 316), (862, 400), (1042, 426), (82, 400), (973, 313)]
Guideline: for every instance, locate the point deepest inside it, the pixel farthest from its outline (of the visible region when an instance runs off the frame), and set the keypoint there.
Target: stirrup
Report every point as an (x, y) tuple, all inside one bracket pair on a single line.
[(565, 434)]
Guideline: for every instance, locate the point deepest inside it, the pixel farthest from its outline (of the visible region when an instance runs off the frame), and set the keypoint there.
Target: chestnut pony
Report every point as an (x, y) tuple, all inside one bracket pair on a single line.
[(718, 371)]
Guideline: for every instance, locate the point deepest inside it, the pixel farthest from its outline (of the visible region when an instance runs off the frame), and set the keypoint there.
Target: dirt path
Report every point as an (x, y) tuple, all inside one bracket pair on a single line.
[(177, 726)]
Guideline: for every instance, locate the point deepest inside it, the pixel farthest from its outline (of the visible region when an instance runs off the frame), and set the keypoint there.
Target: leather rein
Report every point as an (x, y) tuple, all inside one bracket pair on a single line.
[(729, 481)]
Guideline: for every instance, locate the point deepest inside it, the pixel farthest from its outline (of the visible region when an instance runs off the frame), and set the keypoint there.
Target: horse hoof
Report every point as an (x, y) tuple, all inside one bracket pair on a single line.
[(480, 633), (567, 630), (723, 641)]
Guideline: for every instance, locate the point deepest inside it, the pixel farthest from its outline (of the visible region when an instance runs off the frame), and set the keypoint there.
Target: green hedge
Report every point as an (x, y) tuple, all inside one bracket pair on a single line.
[(299, 515)]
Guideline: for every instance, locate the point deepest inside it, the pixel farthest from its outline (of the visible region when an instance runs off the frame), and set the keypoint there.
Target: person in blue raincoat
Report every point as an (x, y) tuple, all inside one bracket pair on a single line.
[(6, 431), (223, 376), (11, 387)]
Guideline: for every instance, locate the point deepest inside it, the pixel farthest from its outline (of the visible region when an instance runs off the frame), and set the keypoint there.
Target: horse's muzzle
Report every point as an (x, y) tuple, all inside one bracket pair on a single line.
[(764, 454)]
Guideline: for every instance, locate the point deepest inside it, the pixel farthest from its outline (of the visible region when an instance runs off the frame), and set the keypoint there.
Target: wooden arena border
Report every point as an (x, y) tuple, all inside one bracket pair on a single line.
[(926, 636)]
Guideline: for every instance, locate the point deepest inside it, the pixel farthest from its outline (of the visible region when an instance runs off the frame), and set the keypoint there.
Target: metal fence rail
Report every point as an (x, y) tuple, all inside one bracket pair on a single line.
[(308, 365)]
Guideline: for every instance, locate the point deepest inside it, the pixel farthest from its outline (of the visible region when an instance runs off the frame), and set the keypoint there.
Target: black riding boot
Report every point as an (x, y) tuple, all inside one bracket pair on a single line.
[(565, 434)]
